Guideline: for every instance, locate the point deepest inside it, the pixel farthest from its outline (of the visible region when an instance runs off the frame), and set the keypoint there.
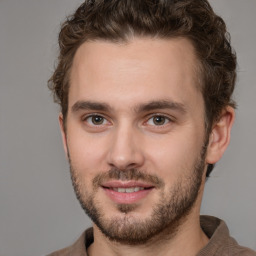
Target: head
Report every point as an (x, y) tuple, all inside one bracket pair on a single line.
[(108, 68), (119, 21)]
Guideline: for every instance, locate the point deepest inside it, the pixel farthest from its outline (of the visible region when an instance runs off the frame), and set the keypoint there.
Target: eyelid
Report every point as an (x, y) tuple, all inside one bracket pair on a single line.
[(90, 115), (170, 119), (85, 116), (148, 117)]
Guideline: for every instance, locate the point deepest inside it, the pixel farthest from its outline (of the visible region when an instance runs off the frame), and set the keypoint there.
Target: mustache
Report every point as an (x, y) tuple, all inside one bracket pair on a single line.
[(126, 175)]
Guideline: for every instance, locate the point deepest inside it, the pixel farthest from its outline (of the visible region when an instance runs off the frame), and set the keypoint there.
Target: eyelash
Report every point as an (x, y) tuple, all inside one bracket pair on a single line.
[(86, 118), (166, 120)]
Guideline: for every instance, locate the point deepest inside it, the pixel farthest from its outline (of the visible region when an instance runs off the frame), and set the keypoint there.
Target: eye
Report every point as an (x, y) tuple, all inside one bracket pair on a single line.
[(95, 120), (158, 120)]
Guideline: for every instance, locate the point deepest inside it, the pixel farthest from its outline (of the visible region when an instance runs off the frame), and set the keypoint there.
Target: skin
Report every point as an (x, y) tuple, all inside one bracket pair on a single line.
[(125, 77)]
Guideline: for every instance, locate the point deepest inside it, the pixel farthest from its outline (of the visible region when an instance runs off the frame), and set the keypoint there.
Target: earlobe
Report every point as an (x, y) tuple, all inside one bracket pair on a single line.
[(63, 134), (220, 136)]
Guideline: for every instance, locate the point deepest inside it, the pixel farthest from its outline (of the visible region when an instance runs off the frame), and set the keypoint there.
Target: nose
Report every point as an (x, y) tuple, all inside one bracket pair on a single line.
[(125, 150)]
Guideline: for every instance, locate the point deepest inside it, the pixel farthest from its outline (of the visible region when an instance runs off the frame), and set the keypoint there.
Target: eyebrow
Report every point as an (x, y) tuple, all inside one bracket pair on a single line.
[(150, 106), (89, 105), (161, 104)]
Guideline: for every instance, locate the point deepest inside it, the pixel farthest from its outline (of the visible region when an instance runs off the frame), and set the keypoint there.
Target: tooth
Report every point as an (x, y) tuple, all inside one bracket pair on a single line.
[(129, 190), (121, 190)]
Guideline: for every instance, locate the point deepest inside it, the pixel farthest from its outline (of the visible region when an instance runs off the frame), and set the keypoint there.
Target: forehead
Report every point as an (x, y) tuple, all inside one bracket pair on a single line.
[(143, 69)]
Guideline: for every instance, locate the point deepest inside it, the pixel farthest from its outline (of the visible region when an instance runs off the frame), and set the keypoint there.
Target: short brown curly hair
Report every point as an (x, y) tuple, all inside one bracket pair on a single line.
[(118, 20)]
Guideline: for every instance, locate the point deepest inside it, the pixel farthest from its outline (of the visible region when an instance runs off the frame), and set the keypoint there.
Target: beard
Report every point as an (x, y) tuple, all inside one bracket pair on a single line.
[(167, 215)]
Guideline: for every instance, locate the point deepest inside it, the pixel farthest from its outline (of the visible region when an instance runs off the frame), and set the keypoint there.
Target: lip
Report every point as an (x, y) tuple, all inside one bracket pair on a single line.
[(126, 198), (126, 184)]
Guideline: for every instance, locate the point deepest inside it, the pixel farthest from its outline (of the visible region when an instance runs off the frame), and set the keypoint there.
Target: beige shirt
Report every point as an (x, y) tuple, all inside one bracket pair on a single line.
[(220, 243)]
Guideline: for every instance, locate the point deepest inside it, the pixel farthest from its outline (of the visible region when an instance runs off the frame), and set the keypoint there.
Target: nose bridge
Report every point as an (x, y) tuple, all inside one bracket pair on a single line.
[(124, 150)]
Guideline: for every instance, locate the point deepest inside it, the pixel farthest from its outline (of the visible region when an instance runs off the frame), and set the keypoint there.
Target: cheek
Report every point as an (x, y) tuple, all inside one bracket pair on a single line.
[(86, 152), (173, 155)]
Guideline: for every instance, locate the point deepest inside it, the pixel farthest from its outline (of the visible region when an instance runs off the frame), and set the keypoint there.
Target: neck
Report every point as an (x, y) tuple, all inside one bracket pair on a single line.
[(187, 240)]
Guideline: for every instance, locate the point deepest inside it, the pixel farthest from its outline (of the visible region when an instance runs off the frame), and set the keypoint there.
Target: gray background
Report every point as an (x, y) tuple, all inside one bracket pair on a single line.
[(38, 209)]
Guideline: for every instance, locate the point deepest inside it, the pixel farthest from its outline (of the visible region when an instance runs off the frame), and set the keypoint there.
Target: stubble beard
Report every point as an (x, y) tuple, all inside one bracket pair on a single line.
[(167, 215)]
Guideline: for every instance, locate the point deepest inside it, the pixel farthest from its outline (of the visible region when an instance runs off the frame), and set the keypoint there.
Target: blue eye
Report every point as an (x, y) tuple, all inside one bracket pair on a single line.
[(158, 120)]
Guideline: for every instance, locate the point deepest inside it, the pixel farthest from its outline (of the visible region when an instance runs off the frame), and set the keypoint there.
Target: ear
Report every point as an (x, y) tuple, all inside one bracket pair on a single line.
[(63, 134), (220, 136)]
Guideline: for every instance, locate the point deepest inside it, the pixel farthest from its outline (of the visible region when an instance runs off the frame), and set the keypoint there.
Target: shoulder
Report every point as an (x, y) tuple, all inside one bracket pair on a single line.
[(220, 241), (79, 247), (238, 250), (63, 252), (232, 248)]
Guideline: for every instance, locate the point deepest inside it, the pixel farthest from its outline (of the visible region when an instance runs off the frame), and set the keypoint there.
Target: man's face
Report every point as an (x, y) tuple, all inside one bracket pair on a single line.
[(135, 135)]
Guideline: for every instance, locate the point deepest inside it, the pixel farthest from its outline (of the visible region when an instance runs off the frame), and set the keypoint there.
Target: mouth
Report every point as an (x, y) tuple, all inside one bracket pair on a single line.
[(126, 192)]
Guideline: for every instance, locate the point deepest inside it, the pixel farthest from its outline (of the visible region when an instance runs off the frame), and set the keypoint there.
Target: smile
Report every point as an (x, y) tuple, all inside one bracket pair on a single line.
[(128, 190)]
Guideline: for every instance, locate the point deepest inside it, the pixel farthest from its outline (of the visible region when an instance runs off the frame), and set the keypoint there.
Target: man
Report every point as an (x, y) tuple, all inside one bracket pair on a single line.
[(146, 111)]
